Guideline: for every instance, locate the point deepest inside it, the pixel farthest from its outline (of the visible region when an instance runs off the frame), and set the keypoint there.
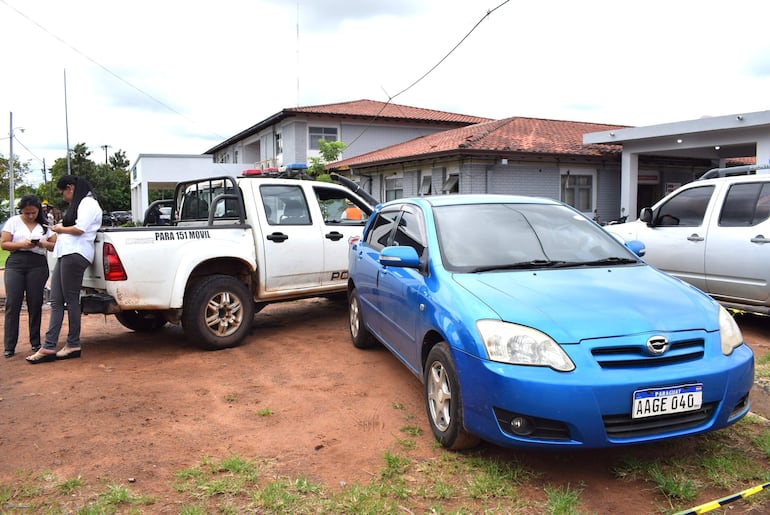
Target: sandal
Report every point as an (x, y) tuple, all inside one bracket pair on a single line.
[(40, 357), (68, 353)]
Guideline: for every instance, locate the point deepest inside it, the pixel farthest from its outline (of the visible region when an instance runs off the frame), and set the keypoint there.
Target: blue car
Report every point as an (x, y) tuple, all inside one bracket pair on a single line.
[(530, 326)]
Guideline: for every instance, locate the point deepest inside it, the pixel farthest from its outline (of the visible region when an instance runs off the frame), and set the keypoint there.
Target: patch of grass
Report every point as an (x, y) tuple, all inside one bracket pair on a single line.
[(434, 480), (3, 256), (562, 500), (762, 441), (411, 430), (395, 466), (407, 444), (762, 367), (264, 412), (231, 398), (673, 485), (68, 486)]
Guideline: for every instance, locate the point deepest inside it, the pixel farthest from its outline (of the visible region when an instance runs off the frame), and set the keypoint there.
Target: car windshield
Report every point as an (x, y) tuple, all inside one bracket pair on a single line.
[(504, 236)]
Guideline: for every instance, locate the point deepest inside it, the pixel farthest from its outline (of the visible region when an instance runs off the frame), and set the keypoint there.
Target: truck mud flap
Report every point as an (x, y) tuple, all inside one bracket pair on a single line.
[(98, 303)]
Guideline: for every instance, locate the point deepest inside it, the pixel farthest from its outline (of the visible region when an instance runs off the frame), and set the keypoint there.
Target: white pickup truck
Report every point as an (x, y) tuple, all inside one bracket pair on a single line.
[(232, 246), (713, 233)]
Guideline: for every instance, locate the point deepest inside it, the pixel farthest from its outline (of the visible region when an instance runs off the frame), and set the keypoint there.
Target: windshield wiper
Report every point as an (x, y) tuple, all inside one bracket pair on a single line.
[(607, 261), (535, 263)]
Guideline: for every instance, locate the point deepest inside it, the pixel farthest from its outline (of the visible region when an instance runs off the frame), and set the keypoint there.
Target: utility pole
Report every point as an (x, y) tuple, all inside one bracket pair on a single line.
[(105, 147), (11, 200)]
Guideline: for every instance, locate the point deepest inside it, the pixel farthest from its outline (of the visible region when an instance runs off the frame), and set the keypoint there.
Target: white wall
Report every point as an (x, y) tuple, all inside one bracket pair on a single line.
[(155, 171)]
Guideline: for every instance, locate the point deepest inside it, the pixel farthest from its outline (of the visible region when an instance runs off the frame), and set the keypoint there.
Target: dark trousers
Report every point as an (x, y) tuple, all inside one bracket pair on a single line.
[(66, 282), (25, 275)]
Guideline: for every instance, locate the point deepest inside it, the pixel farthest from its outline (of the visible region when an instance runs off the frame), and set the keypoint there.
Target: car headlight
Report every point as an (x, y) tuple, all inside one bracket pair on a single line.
[(520, 345), (729, 332)]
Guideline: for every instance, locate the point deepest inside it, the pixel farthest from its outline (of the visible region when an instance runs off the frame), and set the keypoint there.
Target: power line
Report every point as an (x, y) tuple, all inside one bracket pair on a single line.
[(424, 75)]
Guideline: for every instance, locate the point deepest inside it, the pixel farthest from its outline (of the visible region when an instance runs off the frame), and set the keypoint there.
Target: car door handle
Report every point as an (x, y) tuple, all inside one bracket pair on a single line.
[(277, 237), (334, 236), (695, 237), (759, 238)]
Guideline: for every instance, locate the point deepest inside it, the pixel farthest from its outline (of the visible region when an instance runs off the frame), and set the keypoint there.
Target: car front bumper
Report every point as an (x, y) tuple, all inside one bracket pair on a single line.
[(590, 407)]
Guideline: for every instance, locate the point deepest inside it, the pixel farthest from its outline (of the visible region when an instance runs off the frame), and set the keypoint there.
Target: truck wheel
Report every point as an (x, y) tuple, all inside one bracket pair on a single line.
[(140, 321), (218, 312)]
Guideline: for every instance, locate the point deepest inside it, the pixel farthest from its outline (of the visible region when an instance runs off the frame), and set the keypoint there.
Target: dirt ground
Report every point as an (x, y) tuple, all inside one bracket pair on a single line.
[(138, 408)]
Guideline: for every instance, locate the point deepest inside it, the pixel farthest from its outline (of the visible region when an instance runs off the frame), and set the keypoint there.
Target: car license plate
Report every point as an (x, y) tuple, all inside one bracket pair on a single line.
[(664, 401)]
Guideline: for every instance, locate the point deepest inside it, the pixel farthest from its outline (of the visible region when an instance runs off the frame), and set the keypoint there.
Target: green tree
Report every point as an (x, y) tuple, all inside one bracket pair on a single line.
[(19, 171), (330, 151), (110, 182)]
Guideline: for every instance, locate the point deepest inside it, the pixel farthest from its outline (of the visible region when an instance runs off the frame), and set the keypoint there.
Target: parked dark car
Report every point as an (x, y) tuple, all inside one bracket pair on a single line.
[(122, 217)]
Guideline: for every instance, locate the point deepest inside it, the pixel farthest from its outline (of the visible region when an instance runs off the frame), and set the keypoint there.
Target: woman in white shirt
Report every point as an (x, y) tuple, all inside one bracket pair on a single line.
[(74, 253), (27, 236)]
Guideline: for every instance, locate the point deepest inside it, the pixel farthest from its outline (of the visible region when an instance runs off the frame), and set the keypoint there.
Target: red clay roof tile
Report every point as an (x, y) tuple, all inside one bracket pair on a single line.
[(510, 135)]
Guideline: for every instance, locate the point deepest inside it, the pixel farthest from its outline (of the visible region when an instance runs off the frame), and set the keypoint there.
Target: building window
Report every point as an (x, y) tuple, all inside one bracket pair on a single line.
[(578, 191), (321, 133), (394, 188), (426, 184), (451, 185), (235, 157), (278, 144)]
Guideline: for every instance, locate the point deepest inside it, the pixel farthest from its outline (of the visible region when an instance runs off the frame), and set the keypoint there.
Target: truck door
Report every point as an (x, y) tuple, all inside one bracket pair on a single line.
[(677, 241), (292, 246), (343, 218), (738, 245)]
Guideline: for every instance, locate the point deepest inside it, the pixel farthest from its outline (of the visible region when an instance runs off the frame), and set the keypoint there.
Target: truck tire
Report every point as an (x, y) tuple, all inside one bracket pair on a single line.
[(218, 312), (140, 321)]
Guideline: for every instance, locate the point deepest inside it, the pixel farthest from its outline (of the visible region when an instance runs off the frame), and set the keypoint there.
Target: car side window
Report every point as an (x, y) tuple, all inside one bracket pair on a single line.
[(410, 232), (745, 205), (380, 233), (687, 209)]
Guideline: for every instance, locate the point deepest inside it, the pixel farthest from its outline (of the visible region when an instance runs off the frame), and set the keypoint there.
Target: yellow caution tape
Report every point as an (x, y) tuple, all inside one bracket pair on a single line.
[(713, 505)]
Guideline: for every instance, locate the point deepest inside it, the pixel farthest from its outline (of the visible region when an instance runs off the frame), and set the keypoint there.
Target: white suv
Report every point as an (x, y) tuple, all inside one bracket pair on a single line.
[(714, 234)]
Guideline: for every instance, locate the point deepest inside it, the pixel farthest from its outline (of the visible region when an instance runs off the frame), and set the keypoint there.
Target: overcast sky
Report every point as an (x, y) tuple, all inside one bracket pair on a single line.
[(178, 77)]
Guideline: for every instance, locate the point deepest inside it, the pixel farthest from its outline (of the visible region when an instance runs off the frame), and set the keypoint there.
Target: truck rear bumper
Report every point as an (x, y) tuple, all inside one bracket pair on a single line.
[(98, 303)]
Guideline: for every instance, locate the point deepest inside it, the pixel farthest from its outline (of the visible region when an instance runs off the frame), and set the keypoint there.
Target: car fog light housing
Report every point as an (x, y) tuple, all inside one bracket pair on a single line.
[(522, 426)]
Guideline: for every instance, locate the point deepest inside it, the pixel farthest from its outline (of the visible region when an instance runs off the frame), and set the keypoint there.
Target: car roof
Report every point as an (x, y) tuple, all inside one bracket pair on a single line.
[(760, 177), (465, 199)]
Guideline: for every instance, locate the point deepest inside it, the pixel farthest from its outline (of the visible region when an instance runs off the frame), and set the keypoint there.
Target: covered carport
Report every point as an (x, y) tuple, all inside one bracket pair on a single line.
[(712, 139)]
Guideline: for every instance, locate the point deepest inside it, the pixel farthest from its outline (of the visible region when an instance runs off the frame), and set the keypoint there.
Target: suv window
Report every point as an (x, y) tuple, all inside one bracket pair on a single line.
[(686, 209), (746, 205)]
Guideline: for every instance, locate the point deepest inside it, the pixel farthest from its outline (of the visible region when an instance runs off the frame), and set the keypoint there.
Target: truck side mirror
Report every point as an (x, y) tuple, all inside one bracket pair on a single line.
[(645, 215)]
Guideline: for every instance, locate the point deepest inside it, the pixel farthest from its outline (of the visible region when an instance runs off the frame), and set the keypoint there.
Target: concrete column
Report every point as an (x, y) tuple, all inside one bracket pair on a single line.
[(629, 183), (763, 152)]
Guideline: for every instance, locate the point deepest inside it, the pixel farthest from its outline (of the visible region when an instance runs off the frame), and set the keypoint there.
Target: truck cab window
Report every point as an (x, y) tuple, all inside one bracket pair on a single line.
[(686, 209)]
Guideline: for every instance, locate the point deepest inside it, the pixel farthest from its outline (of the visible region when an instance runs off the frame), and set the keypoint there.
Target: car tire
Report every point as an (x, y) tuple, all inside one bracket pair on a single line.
[(218, 312), (443, 401), (140, 321), (362, 338)]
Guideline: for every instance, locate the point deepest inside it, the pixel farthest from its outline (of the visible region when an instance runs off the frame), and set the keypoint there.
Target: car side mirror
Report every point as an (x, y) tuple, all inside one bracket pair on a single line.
[(403, 257), (636, 246), (645, 215)]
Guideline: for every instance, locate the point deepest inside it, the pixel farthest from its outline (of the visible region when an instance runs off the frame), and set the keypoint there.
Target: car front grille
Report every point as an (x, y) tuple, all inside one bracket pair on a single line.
[(623, 426), (637, 356)]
